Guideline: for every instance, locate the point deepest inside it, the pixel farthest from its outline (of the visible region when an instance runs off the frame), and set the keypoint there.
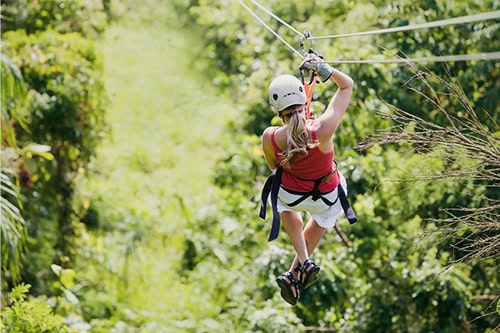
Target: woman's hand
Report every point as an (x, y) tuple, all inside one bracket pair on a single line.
[(315, 63)]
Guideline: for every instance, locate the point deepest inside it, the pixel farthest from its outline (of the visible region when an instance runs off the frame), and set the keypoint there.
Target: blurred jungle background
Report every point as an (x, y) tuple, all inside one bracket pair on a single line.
[(132, 168)]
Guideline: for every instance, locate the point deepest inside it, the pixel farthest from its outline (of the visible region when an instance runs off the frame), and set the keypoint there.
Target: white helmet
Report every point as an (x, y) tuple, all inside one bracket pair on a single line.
[(285, 91)]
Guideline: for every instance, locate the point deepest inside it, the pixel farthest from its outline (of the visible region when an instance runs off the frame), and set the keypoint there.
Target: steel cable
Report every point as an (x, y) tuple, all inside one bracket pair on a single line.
[(440, 23)]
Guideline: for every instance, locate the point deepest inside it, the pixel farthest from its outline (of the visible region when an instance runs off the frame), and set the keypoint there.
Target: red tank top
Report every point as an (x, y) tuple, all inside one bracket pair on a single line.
[(301, 175)]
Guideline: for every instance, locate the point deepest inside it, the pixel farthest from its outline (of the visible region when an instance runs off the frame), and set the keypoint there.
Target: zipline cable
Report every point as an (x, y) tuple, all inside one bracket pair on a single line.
[(276, 17), (440, 23), (269, 28), (448, 58), (457, 20)]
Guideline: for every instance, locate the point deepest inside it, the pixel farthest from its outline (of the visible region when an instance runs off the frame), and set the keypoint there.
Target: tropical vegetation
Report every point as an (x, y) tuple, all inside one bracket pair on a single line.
[(132, 168)]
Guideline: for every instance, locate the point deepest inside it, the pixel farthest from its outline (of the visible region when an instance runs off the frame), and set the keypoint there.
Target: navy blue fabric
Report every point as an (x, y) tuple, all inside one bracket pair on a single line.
[(349, 213), (272, 187)]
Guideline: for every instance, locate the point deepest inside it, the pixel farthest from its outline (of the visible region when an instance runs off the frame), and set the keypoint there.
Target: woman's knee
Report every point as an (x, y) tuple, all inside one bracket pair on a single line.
[(291, 218)]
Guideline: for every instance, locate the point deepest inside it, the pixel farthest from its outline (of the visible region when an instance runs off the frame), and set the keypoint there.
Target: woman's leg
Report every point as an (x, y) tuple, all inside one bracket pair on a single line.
[(292, 221), (312, 235)]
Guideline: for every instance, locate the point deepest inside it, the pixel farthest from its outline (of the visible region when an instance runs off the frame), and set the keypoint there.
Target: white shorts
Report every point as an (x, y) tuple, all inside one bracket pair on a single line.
[(326, 216)]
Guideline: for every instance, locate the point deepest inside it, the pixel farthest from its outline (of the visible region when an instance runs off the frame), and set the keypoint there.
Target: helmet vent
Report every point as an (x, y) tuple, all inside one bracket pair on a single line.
[(275, 97)]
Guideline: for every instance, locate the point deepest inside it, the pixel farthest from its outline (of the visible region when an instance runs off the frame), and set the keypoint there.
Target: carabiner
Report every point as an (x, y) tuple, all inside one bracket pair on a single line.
[(306, 36)]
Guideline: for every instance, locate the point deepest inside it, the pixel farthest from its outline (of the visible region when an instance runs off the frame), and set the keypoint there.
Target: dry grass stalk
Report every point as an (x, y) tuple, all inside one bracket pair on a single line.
[(475, 232)]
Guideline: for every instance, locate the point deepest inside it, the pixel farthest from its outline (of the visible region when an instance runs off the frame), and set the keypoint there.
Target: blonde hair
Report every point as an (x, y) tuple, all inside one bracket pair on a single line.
[(297, 138)]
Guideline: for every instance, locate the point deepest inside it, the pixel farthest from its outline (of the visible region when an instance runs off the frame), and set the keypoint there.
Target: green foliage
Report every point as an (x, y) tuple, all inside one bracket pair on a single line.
[(61, 107), (15, 175), (383, 284), (13, 227), (13, 223), (30, 316), (12, 99), (171, 240), (243, 157), (86, 17), (478, 79), (68, 99)]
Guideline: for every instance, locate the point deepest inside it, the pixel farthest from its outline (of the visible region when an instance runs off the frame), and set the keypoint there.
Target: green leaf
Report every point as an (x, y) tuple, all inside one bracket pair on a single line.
[(70, 296), (67, 277), (19, 292), (38, 150), (56, 269)]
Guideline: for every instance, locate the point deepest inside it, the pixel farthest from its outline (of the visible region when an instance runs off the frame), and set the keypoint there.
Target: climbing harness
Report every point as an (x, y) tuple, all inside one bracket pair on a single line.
[(272, 186)]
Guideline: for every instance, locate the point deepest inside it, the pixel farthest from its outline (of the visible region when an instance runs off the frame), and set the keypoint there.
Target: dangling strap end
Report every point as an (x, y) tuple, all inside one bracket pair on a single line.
[(275, 228), (266, 190), (262, 212), (348, 211)]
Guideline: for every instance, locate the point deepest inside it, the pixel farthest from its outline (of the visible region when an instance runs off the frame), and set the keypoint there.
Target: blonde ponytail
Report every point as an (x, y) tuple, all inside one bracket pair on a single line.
[(298, 142)]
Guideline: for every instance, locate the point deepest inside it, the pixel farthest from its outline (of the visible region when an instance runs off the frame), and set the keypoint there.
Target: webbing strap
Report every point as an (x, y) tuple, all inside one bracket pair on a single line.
[(315, 194), (272, 187), (307, 195), (346, 207)]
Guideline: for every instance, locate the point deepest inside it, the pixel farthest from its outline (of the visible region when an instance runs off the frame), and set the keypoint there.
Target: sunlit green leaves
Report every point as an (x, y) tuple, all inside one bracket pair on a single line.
[(12, 226), (396, 188), (33, 315), (84, 16), (172, 240)]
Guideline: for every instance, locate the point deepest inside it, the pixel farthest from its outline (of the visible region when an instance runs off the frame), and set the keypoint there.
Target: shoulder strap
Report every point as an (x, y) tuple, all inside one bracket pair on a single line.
[(313, 135), (313, 130)]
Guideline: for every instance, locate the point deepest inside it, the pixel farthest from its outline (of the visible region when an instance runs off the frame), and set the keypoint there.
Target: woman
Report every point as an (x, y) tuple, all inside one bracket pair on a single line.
[(301, 153)]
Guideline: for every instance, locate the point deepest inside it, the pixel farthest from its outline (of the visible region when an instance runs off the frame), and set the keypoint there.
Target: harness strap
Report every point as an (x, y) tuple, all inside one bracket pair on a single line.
[(315, 193), (307, 195), (272, 187), (346, 207)]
